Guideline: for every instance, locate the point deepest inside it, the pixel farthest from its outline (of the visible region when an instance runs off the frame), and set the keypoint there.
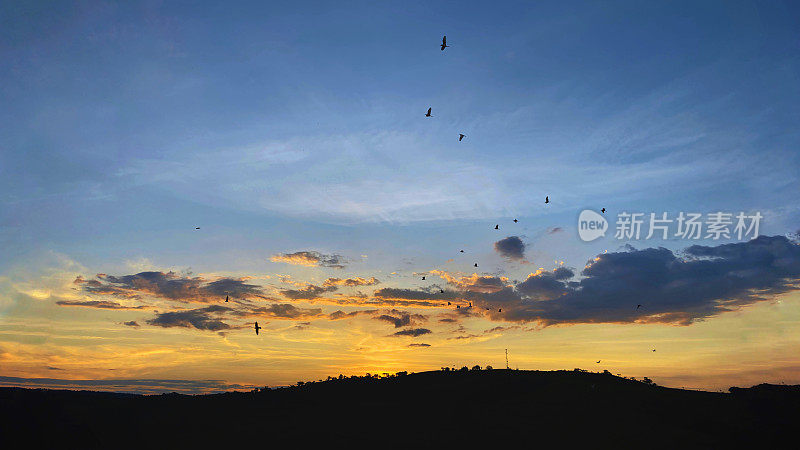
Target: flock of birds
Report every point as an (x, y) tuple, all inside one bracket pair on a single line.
[(461, 137)]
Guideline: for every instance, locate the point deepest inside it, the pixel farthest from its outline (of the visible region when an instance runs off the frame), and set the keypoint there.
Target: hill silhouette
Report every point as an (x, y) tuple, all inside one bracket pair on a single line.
[(427, 409)]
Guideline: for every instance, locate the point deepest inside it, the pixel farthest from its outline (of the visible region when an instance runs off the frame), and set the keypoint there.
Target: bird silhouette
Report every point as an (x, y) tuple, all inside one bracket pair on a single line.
[(428, 114), (423, 278), (487, 309), (547, 199), (441, 291), (458, 306), (654, 349), (196, 228), (500, 310), (462, 251), (226, 299), (598, 361), (444, 43), (603, 210), (470, 304), (257, 328), (476, 264), (497, 227), (461, 136), (515, 220), (638, 306), (448, 303)]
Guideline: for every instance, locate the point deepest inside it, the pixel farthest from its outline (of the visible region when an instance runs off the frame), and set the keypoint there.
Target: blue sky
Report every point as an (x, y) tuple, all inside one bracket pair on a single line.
[(299, 126)]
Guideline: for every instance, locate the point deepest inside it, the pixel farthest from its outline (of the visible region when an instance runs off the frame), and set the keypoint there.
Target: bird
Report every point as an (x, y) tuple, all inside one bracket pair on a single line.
[(257, 328), (497, 227), (462, 251), (598, 361), (487, 309), (547, 199), (654, 349), (461, 136), (638, 306), (423, 278), (476, 264), (603, 210), (428, 114), (196, 228), (226, 299), (458, 306), (470, 304), (448, 303), (500, 310), (515, 220), (444, 43), (441, 291)]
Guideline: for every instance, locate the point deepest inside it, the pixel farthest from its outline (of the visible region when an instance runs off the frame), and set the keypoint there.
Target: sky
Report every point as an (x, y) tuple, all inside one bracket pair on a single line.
[(294, 136)]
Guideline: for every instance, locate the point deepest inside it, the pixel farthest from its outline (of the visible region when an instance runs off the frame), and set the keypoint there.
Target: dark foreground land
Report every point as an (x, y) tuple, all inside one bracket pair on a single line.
[(519, 409)]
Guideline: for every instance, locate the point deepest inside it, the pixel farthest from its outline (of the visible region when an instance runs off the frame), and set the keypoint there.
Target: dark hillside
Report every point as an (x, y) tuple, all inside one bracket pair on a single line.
[(497, 407)]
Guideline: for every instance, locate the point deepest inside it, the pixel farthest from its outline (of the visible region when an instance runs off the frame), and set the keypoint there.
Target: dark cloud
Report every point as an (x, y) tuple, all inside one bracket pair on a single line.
[(169, 286), (311, 258), (511, 247), (554, 230), (414, 332), (201, 319), (338, 315), (419, 345), (350, 282), (707, 281), (309, 292), (97, 304), (401, 319), (280, 311)]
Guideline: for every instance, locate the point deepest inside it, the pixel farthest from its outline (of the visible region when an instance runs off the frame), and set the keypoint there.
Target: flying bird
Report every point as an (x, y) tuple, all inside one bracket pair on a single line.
[(458, 306), (654, 349), (603, 210), (462, 251), (441, 291), (196, 228), (461, 136), (500, 310), (638, 306), (497, 227), (448, 303), (476, 264), (257, 328), (515, 220), (226, 299), (444, 43), (547, 199), (428, 114), (423, 278)]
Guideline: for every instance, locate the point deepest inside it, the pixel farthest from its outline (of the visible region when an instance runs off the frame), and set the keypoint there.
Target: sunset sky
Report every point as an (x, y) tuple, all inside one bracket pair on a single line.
[(294, 136)]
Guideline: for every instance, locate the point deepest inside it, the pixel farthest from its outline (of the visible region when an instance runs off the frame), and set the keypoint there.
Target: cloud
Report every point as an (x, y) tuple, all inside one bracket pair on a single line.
[(201, 319), (338, 315), (309, 292), (350, 282), (419, 345), (401, 319), (136, 386), (310, 259), (169, 286), (281, 311), (132, 323), (705, 282), (474, 282), (414, 332), (554, 230), (97, 304), (511, 247)]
